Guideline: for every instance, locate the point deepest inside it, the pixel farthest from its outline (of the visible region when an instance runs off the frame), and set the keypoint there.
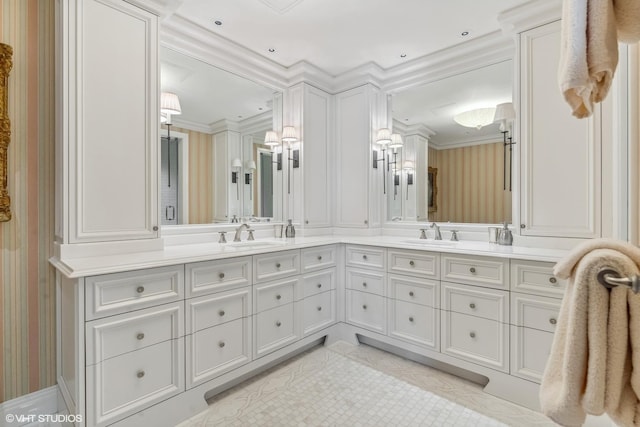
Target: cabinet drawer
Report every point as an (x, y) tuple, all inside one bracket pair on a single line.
[(534, 311), (365, 256), (122, 385), (275, 265), (116, 335), (214, 351), (475, 339), (414, 323), (275, 294), (215, 276), (212, 310), (423, 264), (476, 301), (367, 311), (275, 328), (530, 349), (417, 291), (534, 277), (475, 270), (315, 283), (117, 293), (365, 281), (318, 312), (318, 258)]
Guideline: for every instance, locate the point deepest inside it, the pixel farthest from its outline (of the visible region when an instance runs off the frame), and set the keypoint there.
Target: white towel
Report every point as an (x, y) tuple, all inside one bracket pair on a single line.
[(588, 53), (594, 365)]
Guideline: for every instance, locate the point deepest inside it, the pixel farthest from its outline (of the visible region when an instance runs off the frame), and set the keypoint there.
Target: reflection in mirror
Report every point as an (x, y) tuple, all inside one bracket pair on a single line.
[(210, 169), (454, 173)]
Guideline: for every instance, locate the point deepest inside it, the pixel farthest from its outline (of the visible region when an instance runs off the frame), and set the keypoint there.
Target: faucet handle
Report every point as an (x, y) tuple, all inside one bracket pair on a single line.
[(423, 233), (223, 238), (454, 235), (250, 234)]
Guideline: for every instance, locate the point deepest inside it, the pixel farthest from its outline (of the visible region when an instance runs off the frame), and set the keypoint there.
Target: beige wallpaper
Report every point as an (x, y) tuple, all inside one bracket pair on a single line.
[(470, 184), (27, 281)]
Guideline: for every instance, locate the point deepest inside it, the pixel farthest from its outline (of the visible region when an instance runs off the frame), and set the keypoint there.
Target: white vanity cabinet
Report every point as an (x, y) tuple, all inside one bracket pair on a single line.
[(365, 283), (536, 296), (319, 288), (107, 181)]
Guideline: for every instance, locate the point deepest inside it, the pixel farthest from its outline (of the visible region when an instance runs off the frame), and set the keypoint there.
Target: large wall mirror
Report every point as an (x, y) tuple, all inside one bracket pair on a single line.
[(215, 167), (447, 172)]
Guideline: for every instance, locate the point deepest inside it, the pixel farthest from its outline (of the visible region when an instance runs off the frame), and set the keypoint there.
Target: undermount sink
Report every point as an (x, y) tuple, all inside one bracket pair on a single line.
[(255, 244), (427, 242)]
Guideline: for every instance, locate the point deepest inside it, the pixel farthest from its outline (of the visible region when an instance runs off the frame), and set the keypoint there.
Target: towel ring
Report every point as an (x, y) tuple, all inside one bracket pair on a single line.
[(609, 278)]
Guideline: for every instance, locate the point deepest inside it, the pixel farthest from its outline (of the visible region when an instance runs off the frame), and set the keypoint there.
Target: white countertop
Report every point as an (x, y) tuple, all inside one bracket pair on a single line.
[(179, 254)]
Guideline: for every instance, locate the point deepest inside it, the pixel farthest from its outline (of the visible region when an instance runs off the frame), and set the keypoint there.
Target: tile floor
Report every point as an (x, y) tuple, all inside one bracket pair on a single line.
[(348, 385)]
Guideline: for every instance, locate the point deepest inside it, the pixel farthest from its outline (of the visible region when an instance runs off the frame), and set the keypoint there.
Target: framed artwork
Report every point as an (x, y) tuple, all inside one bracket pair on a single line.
[(432, 195), (5, 130)]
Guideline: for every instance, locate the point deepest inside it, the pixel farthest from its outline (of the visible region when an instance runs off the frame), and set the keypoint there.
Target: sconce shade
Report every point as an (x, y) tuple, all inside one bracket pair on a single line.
[(396, 141), (236, 163), (163, 118), (475, 118), (505, 113), (250, 165), (271, 138), (408, 165), (169, 103), (384, 136), (289, 134)]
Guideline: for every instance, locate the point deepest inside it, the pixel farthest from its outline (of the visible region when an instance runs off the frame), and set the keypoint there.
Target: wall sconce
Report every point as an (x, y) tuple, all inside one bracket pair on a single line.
[(250, 165), (169, 105), (271, 140), (290, 136), (383, 138), (408, 168), (237, 165), (505, 114)]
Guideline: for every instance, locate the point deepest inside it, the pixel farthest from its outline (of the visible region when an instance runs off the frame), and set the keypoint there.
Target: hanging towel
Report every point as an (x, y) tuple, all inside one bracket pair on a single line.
[(588, 53), (594, 364), (627, 20)]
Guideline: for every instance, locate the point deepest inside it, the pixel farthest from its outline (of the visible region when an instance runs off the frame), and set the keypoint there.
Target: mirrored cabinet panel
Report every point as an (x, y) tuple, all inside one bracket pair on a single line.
[(215, 165), (454, 162)]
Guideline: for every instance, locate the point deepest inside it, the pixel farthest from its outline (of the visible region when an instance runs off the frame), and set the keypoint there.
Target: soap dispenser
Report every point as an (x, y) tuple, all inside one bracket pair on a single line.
[(290, 231), (505, 237)]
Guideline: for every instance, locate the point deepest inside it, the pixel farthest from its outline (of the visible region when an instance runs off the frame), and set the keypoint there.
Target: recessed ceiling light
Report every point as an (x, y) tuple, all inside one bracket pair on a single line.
[(464, 33), (271, 50), (403, 55), (239, 117), (259, 108), (218, 23)]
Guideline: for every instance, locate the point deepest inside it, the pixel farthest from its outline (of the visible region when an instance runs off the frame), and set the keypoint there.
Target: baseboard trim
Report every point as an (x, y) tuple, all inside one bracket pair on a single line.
[(24, 410)]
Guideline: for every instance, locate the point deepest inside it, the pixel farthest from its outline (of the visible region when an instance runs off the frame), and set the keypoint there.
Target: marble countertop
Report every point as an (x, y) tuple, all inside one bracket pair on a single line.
[(179, 254)]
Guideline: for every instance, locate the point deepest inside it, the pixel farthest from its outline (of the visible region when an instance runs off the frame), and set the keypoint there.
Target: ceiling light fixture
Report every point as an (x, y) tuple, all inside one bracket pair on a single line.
[(403, 55), (218, 23), (475, 118), (271, 50), (464, 33)]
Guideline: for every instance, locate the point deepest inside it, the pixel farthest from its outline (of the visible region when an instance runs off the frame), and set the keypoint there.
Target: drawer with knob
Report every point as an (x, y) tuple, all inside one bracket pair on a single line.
[(275, 328), (415, 263), (365, 281), (276, 265), (318, 311), (530, 349), (414, 290), (366, 310), (365, 256), (475, 339), (417, 324), (116, 293), (216, 350), (116, 335), (319, 257), (214, 276), (275, 294), (476, 301), (318, 282), (536, 277), (476, 270), (536, 312), (128, 383), (215, 309)]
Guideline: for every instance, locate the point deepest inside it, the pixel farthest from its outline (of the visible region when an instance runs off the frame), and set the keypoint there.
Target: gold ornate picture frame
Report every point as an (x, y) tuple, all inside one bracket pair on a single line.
[(6, 64)]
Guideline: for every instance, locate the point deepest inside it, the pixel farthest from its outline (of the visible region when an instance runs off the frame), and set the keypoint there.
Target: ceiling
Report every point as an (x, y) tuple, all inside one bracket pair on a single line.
[(338, 36)]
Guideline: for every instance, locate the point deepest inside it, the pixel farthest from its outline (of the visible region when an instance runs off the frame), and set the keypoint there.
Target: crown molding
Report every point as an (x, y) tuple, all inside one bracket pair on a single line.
[(257, 123), (414, 129), (529, 15), (224, 126), (188, 125), (162, 8), (463, 143)]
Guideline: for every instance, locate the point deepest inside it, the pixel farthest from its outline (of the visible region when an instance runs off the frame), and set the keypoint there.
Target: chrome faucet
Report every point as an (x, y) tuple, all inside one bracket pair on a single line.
[(239, 229), (438, 235)]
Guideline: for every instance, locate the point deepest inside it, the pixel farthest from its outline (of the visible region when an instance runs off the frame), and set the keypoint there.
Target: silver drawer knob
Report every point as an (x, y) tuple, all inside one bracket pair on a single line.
[(411, 319), (364, 306), (472, 334), (472, 269), (411, 263), (221, 313), (553, 280), (364, 257), (410, 293), (140, 336), (140, 289), (319, 257), (221, 344), (278, 324), (221, 275), (277, 265), (364, 284), (278, 297), (319, 285), (319, 308), (472, 306), (553, 321), (140, 374)]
